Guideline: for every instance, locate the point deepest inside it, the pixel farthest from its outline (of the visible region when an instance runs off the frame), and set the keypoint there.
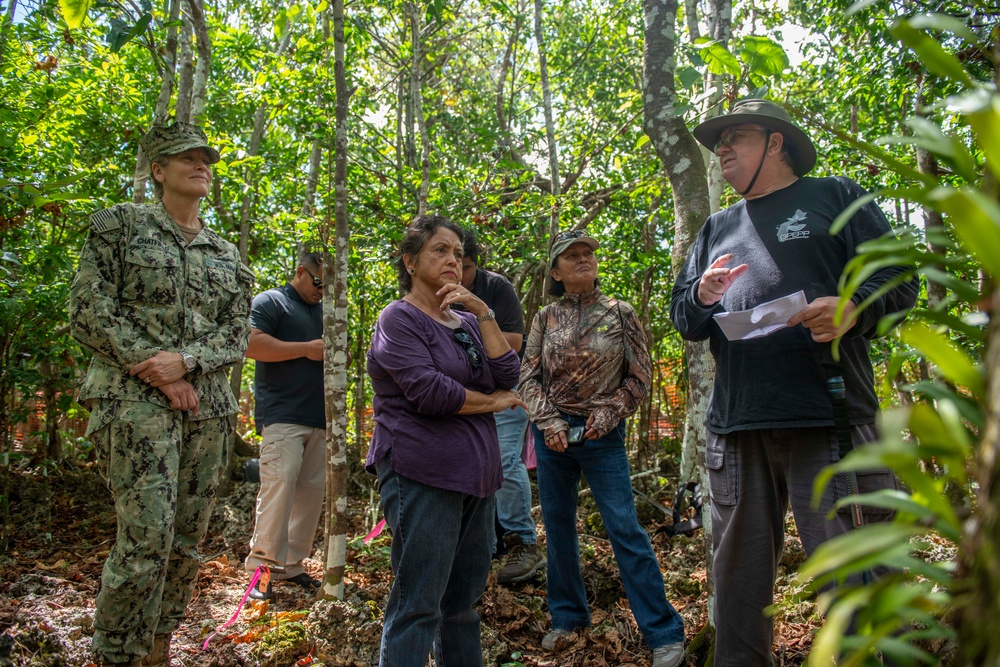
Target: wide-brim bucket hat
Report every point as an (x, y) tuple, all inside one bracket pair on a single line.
[(173, 139), (769, 115), (564, 240)]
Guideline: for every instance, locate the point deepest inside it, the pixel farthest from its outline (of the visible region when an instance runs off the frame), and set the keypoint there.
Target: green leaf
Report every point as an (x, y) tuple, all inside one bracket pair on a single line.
[(858, 545), (859, 6), (928, 135), (931, 53), (717, 58), (951, 361), (141, 25), (74, 12), (944, 23), (61, 183), (763, 56), (985, 123), (976, 221), (688, 77), (280, 24)]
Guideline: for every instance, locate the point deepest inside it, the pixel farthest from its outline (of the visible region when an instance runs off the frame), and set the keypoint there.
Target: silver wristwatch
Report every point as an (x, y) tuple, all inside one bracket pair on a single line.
[(190, 363), (490, 315)]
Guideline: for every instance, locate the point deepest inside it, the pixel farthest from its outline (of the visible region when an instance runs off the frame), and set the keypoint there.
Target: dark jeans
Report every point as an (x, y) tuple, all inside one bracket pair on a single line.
[(605, 464), (442, 542), (754, 476)]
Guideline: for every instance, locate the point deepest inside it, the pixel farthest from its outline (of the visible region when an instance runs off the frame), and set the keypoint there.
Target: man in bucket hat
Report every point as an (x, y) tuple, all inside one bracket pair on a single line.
[(772, 422), (162, 304)]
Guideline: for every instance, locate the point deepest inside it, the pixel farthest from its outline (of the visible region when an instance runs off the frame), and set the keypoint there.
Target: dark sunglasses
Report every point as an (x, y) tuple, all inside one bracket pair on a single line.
[(463, 338), (571, 234), (317, 282)]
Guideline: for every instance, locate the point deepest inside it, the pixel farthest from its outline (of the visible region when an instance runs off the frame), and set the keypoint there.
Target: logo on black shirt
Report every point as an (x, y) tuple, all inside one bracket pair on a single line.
[(794, 227)]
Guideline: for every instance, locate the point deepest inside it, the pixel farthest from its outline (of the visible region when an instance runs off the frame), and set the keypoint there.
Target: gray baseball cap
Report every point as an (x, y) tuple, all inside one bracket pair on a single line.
[(174, 139), (769, 115)]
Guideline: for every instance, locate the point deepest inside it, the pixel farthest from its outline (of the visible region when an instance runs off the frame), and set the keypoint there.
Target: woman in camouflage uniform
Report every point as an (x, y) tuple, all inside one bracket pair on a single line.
[(162, 303), (586, 368)]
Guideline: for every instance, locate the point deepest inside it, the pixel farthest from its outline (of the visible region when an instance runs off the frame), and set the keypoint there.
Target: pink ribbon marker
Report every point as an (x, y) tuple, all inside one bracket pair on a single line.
[(258, 573), (376, 531)]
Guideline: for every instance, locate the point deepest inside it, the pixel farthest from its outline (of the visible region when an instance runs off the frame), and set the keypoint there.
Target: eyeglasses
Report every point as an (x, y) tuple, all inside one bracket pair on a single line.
[(463, 338), (317, 282), (731, 137), (570, 234)]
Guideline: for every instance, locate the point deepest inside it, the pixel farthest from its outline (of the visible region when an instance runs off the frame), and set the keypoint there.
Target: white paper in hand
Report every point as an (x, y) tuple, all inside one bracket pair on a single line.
[(762, 320)]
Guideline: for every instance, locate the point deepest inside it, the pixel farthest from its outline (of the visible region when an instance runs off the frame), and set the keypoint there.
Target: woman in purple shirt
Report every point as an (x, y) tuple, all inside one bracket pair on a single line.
[(438, 376)]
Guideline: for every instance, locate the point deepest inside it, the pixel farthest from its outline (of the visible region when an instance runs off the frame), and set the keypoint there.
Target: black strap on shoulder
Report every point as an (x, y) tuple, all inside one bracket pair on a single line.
[(838, 395)]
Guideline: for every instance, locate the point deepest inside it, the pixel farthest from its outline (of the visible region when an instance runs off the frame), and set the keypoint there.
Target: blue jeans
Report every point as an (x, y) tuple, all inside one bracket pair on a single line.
[(604, 462), (442, 542), (514, 497)]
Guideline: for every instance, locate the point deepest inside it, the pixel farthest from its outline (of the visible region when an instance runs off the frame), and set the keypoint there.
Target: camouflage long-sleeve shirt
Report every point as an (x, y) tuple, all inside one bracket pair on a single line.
[(140, 289), (586, 355)]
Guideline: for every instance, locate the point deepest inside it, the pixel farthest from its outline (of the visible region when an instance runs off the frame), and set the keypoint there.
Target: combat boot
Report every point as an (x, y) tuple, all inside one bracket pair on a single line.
[(160, 655), (101, 662)]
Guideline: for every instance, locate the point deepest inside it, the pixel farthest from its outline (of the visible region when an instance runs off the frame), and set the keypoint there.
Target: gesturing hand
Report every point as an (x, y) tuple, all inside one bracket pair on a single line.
[(717, 279), (819, 316)]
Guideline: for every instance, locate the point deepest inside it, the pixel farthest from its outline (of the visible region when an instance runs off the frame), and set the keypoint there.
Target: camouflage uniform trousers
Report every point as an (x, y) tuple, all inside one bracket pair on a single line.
[(163, 470)]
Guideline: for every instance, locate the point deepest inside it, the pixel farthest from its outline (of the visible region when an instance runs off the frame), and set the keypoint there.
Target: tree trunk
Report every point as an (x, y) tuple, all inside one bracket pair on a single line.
[(162, 110), (683, 161), (645, 409), (185, 67), (199, 85), (335, 335), (550, 132), (49, 447), (413, 11), (933, 220)]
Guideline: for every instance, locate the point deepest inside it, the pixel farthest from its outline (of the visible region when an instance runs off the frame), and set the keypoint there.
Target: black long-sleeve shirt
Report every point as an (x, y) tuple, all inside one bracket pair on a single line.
[(779, 381)]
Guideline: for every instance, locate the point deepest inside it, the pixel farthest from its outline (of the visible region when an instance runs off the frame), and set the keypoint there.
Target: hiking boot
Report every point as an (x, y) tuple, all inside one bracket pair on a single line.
[(670, 655), (521, 561), (557, 639), (160, 655)]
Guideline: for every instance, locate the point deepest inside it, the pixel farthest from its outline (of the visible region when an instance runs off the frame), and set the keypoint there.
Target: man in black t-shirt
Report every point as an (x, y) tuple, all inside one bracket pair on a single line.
[(771, 418), (516, 529), (286, 340)]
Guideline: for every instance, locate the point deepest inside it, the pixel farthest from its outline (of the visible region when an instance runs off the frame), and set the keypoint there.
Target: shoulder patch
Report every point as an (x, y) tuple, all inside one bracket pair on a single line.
[(104, 221)]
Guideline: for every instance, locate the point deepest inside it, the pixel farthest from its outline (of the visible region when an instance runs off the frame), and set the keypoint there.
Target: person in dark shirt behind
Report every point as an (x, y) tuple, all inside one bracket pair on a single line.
[(516, 535), (286, 340), (438, 376)]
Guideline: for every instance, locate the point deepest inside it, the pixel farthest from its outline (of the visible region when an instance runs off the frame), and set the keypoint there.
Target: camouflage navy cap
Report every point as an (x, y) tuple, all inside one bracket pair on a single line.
[(176, 138), (564, 240)]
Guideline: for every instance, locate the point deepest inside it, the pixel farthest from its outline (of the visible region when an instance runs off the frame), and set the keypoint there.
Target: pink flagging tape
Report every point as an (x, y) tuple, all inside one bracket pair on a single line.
[(258, 573), (376, 531)]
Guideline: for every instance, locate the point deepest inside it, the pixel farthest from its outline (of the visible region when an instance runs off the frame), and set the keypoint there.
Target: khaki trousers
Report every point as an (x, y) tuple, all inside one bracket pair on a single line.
[(290, 500)]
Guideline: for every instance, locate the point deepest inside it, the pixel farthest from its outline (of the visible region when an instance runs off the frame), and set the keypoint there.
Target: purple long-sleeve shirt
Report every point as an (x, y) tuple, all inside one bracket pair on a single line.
[(420, 374)]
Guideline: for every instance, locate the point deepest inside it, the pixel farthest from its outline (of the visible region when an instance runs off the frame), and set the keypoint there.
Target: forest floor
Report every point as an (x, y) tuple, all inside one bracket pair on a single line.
[(63, 525)]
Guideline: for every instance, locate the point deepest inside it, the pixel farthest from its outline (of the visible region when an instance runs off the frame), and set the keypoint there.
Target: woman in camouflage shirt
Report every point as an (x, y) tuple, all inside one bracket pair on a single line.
[(586, 368)]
